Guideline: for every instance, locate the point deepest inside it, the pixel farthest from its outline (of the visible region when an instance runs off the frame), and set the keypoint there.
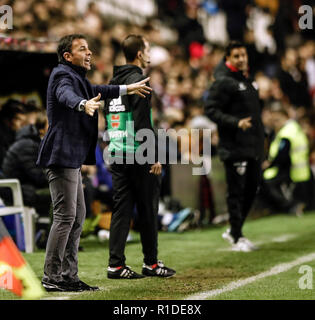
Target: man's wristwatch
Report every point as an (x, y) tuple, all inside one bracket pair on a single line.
[(81, 106)]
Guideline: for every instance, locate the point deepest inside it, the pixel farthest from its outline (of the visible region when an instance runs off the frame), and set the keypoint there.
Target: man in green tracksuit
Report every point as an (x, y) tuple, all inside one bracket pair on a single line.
[(134, 182)]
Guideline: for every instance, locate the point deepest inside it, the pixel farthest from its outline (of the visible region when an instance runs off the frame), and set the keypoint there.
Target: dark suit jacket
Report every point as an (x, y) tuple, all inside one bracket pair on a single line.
[(72, 135)]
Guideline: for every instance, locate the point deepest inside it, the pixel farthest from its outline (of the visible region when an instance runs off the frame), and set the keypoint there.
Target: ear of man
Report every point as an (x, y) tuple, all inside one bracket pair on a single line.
[(139, 55), (67, 56)]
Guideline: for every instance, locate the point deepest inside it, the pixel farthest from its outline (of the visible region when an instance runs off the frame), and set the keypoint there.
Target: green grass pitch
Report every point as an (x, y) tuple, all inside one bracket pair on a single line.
[(203, 261)]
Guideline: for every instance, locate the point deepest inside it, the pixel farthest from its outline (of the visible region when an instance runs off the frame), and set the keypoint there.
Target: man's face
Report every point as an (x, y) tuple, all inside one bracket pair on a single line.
[(145, 61), (31, 118), (278, 120), (18, 121), (80, 54), (238, 58)]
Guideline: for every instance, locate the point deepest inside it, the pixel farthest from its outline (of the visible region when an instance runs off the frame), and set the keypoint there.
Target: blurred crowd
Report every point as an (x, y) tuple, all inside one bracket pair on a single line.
[(187, 42)]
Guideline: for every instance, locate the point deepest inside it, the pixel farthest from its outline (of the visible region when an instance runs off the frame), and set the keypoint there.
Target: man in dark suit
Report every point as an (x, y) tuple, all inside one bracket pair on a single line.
[(70, 142)]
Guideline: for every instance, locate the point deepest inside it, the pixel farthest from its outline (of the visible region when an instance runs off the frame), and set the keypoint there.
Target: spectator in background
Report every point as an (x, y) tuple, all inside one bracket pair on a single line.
[(171, 98), (307, 56), (197, 120), (187, 24), (12, 118), (293, 80), (31, 113), (236, 17), (20, 163), (104, 178), (20, 160), (287, 164)]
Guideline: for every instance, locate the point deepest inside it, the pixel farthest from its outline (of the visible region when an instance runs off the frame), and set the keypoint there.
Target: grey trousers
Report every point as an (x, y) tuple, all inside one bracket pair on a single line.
[(61, 262)]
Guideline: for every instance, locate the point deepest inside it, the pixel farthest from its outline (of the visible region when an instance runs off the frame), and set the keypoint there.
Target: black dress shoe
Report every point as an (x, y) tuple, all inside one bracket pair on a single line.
[(86, 287), (52, 286), (80, 286), (62, 286)]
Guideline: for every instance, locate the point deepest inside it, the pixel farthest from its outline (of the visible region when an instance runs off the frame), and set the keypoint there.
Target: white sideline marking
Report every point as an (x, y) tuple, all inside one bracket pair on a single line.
[(283, 267), (63, 297), (282, 238), (55, 298)]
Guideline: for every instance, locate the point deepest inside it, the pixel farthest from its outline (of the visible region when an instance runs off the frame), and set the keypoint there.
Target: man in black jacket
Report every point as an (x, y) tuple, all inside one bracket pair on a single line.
[(233, 104), (133, 183)]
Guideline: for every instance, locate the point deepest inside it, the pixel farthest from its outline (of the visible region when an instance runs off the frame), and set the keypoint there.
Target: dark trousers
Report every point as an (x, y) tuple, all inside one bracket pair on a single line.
[(243, 178), (133, 185), (61, 262), (282, 195), (274, 195)]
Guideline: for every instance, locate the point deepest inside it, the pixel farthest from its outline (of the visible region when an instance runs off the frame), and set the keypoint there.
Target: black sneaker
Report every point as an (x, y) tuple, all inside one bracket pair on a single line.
[(123, 272), (157, 270)]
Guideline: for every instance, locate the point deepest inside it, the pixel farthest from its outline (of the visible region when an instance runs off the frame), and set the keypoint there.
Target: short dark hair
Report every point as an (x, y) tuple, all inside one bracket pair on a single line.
[(131, 45), (65, 44), (31, 107), (11, 108), (233, 45)]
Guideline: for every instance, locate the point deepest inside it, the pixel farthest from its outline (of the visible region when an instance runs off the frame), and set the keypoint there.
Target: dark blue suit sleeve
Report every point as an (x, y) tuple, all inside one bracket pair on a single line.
[(106, 91), (65, 93)]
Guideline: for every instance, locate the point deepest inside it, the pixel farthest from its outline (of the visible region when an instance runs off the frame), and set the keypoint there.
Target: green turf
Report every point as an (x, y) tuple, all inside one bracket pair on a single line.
[(203, 262), (284, 286)]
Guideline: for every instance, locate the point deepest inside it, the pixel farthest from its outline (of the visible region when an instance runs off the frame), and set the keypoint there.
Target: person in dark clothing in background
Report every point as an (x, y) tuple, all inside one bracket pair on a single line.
[(133, 183), (233, 104), (31, 113), (12, 117), (20, 163), (236, 17), (188, 27), (293, 80), (20, 160)]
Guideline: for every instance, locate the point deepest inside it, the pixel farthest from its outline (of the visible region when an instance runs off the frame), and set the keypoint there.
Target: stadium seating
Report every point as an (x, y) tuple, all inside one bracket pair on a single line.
[(18, 208)]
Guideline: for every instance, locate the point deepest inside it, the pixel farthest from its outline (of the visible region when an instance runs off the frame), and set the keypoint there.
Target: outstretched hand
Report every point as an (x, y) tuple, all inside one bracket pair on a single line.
[(92, 105), (140, 88)]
